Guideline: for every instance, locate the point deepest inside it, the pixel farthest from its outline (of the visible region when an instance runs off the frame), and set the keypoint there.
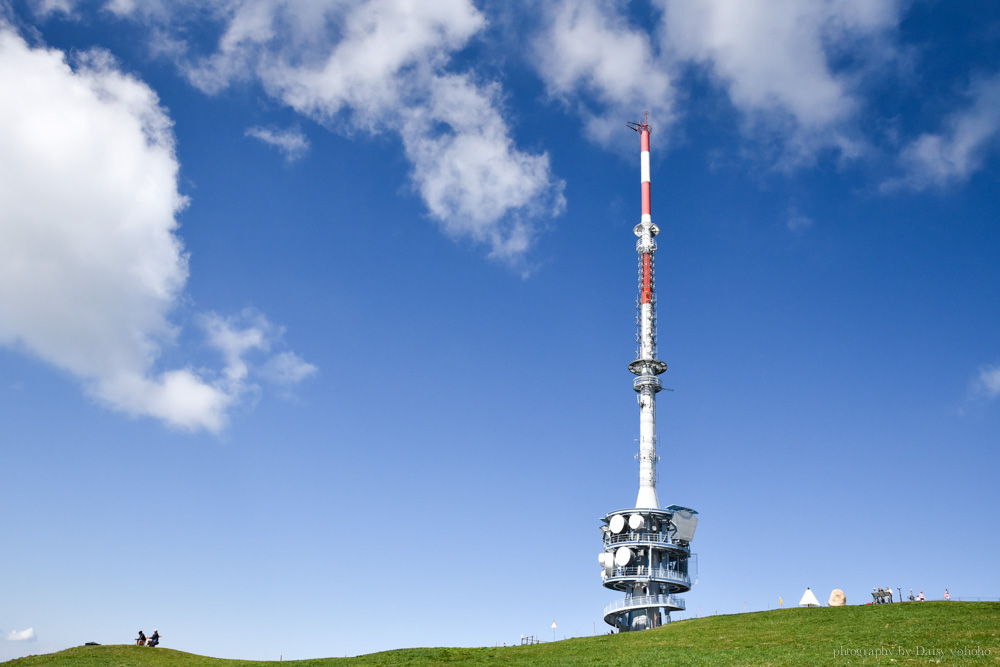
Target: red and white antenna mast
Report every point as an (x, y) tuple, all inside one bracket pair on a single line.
[(646, 548), (646, 366)]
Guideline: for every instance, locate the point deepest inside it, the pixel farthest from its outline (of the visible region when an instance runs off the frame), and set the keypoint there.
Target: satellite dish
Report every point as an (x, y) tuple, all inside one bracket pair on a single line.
[(623, 556), (635, 522), (617, 524)]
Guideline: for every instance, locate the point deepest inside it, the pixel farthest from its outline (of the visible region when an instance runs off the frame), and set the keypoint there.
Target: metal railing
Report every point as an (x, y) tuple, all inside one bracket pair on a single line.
[(648, 537), (642, 571), (647, 380), (645, 602)]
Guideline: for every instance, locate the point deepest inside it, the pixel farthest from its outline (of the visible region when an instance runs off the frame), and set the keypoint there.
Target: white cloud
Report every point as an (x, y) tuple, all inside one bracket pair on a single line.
[(290, 141), (988, 381), (472, 176), (287, 368), (590, 57), (45, 8), (22, 635), (90, 265), (250, 334), (181, 398), (235, 341), (388, 53), (959, 149), (773, 57), (386, 66), (797, 222)]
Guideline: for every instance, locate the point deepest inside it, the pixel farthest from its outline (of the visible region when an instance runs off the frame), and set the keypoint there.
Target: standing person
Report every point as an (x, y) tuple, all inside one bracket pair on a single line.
[(888, 591), (947, 595), (921, 596)]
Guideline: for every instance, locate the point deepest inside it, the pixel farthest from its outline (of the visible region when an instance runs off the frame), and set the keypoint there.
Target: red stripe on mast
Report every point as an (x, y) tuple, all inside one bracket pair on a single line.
[(647, 278)]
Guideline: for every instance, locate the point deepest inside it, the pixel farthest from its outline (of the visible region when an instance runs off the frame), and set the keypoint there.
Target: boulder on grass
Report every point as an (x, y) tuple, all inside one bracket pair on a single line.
[(837, 598)]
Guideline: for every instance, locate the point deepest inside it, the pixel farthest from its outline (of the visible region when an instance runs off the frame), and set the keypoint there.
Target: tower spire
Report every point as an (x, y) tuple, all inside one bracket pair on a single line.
[(646, 366)]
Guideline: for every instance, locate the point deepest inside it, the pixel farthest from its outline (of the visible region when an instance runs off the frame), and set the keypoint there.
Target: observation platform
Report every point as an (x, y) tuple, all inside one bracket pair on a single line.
[(619, 607), (654, 574)]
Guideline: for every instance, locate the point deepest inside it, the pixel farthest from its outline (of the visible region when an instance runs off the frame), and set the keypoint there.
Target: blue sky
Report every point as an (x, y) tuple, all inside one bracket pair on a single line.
[(315, 316)]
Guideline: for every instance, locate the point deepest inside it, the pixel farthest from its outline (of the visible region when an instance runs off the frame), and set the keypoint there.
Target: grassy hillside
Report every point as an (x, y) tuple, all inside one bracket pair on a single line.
[(946, 633)]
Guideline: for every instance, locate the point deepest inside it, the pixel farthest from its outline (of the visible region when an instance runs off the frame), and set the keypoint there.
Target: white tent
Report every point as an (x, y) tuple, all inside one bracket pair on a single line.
[(808, 599)]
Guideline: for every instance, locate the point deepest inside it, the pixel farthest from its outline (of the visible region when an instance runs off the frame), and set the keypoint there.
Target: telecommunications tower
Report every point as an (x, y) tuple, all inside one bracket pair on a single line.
[(646, 548)]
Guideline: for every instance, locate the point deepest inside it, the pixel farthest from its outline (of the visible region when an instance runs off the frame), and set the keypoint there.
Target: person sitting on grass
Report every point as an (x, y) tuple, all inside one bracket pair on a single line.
[(154, 638), (141, 641)]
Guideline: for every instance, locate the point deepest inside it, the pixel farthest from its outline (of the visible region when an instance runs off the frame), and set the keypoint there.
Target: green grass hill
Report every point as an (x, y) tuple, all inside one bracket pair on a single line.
[(916, 633)]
